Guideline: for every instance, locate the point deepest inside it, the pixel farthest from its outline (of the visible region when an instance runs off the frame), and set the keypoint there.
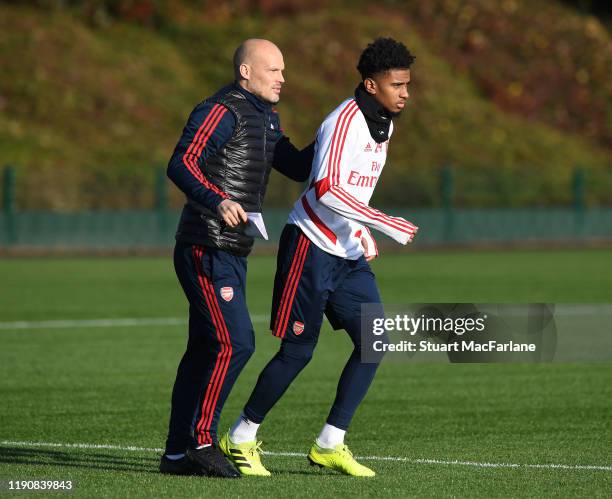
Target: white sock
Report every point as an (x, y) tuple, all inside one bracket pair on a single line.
[(330, 436), (244, 430), (175, 457)]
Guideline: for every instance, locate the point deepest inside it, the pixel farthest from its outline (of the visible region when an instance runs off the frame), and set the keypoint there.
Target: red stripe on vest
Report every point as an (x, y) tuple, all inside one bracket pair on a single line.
[(200, 139)]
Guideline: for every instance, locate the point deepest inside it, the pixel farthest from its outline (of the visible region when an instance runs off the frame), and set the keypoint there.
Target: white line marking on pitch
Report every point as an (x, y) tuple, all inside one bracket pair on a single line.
[(560, 310), (298, 454), (91, 323)]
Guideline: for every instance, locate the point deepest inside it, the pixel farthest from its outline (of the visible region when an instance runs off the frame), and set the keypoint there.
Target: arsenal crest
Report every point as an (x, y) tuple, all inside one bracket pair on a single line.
[(227, 293), (298, 328)]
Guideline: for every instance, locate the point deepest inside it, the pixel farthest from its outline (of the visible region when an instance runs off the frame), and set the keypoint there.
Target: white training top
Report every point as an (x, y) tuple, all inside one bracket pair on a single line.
[(333, 211)]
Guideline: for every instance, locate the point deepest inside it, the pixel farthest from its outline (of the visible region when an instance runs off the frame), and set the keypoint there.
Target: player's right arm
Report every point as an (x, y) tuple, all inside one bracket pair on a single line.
[(208, 128), (336, 139)]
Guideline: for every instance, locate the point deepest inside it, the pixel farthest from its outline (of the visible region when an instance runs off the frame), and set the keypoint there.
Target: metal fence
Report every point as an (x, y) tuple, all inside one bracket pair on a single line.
[(444, 226), (149, 229)]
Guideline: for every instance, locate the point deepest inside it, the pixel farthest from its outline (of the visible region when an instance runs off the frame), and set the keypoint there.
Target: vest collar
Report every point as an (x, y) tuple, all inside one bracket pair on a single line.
[(259, 104)]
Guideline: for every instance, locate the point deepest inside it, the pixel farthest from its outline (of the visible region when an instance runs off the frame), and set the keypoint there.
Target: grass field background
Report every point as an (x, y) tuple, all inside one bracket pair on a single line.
[(112, 385)]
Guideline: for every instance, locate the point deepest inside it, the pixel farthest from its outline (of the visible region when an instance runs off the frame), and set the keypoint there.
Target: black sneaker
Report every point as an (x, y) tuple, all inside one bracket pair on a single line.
[(182, 466), (212, 462)]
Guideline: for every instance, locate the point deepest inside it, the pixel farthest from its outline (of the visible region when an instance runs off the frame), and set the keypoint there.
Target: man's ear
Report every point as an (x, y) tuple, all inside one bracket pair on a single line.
[(245, 71), (370, 86)]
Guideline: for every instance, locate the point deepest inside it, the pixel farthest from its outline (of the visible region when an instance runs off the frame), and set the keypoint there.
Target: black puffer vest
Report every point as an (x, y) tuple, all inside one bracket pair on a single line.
[(241, 169)]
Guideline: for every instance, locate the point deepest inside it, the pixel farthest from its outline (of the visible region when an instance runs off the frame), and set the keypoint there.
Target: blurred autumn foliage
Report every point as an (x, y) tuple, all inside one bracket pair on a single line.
[(530, 58), (513, 94)]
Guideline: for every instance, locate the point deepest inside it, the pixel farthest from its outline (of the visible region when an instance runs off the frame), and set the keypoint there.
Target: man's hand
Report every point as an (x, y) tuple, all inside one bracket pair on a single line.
[(231, 213), (409, 236), (414, 233), (368, 257)]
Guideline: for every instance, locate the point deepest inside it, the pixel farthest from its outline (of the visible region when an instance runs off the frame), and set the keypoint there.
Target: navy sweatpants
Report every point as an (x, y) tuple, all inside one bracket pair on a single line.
[(221, 341), (310, 283)]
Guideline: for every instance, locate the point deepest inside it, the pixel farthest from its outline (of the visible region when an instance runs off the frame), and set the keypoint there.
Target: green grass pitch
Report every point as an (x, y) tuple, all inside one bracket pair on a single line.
[(111, 386)]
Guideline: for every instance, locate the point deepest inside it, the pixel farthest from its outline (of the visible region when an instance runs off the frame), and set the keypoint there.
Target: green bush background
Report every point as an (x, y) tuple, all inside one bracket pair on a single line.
[(94, 94)]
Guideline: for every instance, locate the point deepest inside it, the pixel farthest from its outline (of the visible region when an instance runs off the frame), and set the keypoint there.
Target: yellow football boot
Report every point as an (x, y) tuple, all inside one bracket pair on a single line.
[(340, 458), (246, 457)]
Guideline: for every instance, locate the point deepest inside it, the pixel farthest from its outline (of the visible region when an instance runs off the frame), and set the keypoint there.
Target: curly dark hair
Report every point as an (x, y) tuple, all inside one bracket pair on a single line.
[(382, 55)]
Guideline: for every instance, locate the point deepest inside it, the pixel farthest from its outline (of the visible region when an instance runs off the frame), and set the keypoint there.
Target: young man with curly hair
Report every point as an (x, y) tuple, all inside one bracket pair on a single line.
[(322, 265)]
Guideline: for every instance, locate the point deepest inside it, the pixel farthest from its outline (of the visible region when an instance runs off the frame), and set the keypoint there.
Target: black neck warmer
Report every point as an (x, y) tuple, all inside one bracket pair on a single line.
[(377, 117)]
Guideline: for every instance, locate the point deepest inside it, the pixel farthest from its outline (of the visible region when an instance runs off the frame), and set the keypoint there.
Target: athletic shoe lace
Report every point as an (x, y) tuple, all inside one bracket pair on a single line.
[(255, 450)]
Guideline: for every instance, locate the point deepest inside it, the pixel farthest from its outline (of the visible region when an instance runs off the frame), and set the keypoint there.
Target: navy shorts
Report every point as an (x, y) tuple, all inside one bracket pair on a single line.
[(310, 283)]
